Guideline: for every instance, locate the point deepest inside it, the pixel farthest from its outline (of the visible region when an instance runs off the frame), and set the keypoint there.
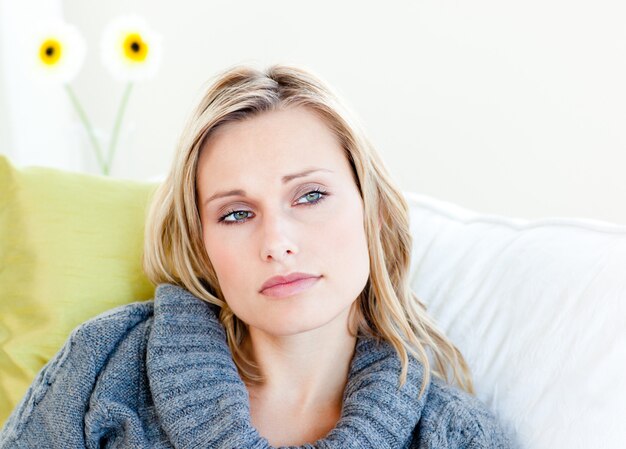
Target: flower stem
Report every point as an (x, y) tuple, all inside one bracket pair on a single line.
[(118, 122), (88, 127)]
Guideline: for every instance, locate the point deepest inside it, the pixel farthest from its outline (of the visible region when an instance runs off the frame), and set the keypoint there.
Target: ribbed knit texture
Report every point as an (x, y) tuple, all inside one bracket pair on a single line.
[(160, 374)]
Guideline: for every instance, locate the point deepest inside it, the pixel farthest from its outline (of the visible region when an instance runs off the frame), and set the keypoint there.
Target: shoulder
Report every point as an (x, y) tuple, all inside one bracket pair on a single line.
[(120, 317), (66, 382), (453, 418), (103, 333)]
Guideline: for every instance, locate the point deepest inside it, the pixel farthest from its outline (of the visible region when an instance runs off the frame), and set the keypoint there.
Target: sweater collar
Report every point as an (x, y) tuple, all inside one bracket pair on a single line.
[(201, 400)]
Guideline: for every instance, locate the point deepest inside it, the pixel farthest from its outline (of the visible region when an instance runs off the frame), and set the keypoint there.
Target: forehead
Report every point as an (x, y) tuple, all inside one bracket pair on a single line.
[(270, 145)]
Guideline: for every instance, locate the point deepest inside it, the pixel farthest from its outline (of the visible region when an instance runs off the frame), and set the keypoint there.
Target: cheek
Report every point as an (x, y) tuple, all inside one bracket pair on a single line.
[(347, 249), (227, 262)]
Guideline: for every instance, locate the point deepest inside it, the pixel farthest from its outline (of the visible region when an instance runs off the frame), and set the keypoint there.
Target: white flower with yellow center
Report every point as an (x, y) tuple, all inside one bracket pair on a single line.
[(131, 51), (57, 52)]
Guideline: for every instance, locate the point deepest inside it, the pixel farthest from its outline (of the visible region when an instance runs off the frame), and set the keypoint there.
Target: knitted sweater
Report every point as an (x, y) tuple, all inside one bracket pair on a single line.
[(160, 374)]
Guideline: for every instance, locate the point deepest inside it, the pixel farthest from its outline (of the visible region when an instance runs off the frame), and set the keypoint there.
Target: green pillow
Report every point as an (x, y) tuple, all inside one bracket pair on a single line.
[(70, 248)]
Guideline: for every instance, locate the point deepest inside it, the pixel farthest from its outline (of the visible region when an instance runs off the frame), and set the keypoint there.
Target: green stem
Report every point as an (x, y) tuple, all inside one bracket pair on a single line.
[(118, 122), (88, 127)]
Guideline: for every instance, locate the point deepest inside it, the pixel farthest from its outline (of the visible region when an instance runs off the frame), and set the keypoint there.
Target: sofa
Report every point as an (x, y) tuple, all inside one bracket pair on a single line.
[(537, 307)]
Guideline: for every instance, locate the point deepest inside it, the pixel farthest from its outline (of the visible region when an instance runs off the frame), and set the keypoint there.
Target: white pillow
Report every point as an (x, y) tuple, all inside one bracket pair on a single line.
[(538, 309)]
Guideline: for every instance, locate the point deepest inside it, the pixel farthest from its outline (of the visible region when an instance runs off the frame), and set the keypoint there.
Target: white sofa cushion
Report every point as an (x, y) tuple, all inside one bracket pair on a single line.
[(538, 309)]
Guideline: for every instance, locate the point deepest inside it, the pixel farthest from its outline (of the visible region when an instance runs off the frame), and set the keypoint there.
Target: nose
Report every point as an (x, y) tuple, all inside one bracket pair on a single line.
[(277, 244)]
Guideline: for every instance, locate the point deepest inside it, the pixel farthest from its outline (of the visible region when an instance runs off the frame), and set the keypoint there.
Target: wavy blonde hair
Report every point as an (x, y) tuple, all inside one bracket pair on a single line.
[(386, 309)]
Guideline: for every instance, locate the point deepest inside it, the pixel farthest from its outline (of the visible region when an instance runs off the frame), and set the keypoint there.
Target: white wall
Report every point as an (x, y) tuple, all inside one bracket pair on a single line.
[(5, 129), (506, 107)]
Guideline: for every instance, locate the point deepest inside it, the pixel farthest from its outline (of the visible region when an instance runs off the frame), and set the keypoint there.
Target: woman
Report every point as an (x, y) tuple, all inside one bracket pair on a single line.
[(283, 314)]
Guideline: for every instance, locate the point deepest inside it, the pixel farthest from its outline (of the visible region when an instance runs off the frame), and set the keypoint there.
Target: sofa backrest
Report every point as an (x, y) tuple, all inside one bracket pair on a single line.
[(538, 309)]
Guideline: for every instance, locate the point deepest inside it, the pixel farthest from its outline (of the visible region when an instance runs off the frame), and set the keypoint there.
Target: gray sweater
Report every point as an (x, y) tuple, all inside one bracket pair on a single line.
[(160, 374)]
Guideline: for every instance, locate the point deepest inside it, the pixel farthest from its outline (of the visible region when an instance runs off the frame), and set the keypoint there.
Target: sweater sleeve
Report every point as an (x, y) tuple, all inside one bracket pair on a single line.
[(487, 432), (453, 419), (51, 413)]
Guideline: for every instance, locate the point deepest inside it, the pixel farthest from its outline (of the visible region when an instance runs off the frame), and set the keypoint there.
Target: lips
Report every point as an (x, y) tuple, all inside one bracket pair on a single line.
[(277, 280)]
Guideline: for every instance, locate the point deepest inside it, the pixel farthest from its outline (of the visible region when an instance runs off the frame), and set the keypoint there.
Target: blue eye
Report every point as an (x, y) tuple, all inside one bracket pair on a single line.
[(314, 192), (317, 193)]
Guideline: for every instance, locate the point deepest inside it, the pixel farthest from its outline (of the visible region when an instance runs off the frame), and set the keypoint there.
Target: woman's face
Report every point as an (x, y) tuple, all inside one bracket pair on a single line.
[(282, 224)]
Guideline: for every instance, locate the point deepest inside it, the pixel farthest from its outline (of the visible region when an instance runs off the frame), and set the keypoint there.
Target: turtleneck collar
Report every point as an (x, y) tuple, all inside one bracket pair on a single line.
[(202, 401)]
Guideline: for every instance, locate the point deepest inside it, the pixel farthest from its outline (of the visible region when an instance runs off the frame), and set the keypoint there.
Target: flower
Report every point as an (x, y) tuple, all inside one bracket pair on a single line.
[(57, 52), (130, 49)]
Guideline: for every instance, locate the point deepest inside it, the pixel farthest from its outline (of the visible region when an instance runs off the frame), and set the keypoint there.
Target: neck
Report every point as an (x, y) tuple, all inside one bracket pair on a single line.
[(306, 372)]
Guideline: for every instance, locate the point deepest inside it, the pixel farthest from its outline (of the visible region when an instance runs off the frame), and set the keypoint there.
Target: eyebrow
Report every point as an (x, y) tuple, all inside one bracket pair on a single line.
[(285, 179)]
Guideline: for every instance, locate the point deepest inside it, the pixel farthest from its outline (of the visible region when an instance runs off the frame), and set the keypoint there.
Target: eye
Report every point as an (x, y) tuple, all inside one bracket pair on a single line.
[(316, 199), (316, 196)]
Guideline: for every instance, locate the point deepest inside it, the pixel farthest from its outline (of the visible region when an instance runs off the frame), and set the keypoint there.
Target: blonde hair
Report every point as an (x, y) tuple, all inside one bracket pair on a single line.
[(386, 309)]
